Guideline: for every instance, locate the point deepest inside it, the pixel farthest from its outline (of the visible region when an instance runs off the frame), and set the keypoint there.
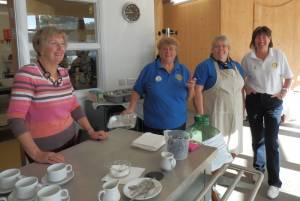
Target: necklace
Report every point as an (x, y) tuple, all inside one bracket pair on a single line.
[(47, 75)]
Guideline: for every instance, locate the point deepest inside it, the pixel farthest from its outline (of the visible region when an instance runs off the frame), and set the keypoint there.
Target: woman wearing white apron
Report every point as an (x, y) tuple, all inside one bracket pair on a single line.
[(219, 93)]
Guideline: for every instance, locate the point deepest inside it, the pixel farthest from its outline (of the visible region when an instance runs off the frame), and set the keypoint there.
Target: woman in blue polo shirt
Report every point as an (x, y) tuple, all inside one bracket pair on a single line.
[(166, 86), (219, 94)]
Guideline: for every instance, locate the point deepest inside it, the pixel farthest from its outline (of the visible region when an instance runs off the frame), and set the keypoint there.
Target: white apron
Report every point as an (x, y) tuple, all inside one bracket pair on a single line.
[(224, 105)]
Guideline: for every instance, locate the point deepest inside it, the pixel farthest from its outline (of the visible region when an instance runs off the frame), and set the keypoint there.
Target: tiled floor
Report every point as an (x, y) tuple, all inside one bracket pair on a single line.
[(289, 139)]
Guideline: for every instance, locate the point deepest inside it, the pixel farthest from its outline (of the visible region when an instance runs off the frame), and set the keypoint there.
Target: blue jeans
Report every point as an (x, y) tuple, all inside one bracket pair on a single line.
[(264, 114)]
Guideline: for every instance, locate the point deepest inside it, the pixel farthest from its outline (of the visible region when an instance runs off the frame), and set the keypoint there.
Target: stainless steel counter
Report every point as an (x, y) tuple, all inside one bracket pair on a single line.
[(90, 161)]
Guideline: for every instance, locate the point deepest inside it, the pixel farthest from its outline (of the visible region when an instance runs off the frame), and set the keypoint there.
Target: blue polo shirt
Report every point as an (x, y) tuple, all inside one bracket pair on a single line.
[(165, 95), (206, 73)]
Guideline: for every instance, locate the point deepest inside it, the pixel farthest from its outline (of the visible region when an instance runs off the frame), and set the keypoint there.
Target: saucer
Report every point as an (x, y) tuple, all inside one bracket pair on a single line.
[(45, 180), (6, 191), (13, 196), (67, 199)]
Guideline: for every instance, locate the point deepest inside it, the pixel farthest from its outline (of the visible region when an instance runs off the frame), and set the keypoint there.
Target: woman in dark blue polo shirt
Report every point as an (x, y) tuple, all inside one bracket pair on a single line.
[(166, 86)]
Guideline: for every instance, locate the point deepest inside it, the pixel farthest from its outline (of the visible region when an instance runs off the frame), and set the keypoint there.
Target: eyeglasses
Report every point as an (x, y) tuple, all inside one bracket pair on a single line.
[(55, 43), (220, 46)]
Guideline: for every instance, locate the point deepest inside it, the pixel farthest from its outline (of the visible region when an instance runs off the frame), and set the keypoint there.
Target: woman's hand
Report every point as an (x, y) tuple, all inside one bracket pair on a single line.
[(98, 135), (191, 83), (279, 95), (127, 111), (49, 157), (249, 90)]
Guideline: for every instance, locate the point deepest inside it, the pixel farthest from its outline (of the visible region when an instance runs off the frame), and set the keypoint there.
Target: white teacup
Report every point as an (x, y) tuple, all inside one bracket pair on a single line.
[(9, 177), (26, 187), (58, 172), (52, 193)]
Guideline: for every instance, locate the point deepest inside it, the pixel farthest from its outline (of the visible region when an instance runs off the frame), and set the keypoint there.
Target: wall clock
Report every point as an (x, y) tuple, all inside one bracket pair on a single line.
[(131, 12)]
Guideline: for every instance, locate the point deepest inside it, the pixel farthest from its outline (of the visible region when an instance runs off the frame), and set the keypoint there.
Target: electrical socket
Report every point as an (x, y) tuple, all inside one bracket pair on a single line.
[(131, 81), (122, 82)]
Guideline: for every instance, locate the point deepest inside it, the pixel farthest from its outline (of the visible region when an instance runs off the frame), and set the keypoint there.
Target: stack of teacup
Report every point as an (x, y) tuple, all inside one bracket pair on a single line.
[(25, 188), (8, 178), (57, 173), (52, 193)]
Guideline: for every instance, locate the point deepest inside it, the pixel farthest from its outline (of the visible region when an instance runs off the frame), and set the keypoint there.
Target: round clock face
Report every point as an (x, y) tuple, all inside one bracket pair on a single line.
[(131, 12)]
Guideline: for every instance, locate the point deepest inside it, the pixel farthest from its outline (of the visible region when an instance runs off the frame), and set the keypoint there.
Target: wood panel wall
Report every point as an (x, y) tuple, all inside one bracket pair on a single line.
[(200, 20), (236, 24), (159, 18), (197, 22)]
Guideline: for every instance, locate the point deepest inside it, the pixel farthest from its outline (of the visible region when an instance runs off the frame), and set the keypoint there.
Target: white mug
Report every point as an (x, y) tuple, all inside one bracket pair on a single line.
[(52, 193), (58, 171), (3, 199), (110, 191), (26, 187), (9, 177), (168, 161)]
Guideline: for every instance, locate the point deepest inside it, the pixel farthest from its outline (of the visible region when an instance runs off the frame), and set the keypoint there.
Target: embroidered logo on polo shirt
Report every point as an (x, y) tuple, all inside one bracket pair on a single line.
[(158, 78), (274, 64), (178, 77)]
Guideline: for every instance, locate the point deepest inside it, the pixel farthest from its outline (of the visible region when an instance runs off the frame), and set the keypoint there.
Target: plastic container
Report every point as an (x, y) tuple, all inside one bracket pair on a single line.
[(120, 168), (177, 142), (122, 121)]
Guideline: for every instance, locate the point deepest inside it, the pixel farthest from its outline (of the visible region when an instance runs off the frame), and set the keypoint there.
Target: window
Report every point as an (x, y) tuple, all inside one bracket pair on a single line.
[(79, 19)]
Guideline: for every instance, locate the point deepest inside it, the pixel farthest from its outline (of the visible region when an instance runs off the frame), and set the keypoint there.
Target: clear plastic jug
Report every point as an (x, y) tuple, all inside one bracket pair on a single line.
[(177, 142)]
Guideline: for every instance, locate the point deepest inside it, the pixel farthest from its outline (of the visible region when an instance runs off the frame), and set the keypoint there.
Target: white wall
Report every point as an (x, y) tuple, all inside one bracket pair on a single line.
[(126, 47)]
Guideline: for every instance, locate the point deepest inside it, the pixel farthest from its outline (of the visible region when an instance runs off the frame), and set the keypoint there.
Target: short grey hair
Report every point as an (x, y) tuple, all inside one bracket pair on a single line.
[(42, 35), (167, 41), (220, 38)]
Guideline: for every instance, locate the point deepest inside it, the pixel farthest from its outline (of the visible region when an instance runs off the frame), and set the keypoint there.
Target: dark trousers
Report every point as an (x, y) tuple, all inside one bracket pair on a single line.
[(264, 114), (161, 131)]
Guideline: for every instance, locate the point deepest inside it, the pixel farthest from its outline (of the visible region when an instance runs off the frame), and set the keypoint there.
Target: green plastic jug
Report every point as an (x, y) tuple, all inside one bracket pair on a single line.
[(201, 130)]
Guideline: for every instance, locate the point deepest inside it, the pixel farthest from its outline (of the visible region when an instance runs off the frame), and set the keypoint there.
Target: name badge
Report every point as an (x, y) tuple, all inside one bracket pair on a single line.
[(158, 78), (274, 65), (178, 77)]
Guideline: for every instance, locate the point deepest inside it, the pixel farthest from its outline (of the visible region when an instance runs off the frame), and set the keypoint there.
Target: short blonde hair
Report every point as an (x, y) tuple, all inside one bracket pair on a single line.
[(221, 38), (42, 36), (167, 41)]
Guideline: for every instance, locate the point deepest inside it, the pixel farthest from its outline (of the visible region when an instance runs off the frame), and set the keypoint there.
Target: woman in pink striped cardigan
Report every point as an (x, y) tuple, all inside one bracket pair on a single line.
[(43, 110)]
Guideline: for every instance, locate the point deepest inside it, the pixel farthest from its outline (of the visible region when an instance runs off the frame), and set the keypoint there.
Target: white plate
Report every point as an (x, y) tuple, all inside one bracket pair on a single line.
[(151, 194), (45, 180)]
